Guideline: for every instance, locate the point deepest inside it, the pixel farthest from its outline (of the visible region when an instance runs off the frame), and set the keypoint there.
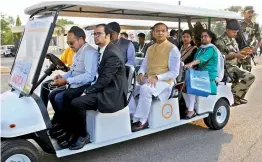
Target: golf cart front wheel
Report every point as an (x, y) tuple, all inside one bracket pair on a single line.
[(220, 116), (18, 150)]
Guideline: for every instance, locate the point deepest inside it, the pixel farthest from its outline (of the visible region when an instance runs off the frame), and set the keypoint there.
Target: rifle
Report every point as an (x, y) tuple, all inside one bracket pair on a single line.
[(243, 46)]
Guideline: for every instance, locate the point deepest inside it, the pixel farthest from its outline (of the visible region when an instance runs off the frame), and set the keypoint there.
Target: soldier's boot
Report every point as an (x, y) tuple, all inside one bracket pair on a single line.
[(243, 101), (236, 101)]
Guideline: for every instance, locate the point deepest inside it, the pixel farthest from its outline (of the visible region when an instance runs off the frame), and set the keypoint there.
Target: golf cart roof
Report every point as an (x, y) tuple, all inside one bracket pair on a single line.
[(130, 10), (136, 25)]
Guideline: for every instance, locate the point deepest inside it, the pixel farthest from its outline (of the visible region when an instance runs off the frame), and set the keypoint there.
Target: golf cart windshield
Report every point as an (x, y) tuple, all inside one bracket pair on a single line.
[(29, 55)]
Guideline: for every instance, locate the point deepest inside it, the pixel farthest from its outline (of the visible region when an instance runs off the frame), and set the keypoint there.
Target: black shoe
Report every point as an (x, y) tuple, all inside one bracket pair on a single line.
[(139, 126), (68, 142), (56, 127), (55, 134), (80, 143), (63, 137), (190, 117)]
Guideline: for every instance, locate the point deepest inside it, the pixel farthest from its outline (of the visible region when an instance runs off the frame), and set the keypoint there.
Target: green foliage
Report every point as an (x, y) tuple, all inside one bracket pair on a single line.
[(17, 23), (63, 22), (6, 34)]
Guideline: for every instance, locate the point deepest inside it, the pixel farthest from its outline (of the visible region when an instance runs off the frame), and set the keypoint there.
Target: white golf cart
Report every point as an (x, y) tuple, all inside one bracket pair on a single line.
[(24, 116), (7, 50)]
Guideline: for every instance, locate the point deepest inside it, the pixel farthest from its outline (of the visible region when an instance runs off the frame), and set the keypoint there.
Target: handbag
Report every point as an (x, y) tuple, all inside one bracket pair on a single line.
[(198, 82)]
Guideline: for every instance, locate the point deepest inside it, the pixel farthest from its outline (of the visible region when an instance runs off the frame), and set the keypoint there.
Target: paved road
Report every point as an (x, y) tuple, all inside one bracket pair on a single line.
[(239, 141)]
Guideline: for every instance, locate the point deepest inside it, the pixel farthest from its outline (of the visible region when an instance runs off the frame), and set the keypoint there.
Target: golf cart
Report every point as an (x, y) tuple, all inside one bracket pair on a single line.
[(24, 117)]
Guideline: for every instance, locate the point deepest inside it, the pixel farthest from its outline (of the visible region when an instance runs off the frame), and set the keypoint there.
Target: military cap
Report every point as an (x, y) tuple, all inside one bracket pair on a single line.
[(248, 8), (233, 25)]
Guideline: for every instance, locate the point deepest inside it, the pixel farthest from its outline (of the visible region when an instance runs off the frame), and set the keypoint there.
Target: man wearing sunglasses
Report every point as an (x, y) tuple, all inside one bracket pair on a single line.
[(82, 72), (126, 46), (108, 92), (252, 33)]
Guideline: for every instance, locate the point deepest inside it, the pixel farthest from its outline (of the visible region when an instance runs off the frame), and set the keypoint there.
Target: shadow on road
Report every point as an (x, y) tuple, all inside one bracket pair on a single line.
[(185, 143)]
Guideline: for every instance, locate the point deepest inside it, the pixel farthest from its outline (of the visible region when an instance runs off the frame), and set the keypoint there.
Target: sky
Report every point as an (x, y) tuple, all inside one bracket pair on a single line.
[(15, 7)]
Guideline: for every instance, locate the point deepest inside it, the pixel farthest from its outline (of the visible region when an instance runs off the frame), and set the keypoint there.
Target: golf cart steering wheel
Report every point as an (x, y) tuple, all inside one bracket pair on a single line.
[(57, 62)]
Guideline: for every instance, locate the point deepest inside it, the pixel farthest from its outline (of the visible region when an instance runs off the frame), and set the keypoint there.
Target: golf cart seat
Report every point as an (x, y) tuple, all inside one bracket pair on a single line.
[(105, 126)]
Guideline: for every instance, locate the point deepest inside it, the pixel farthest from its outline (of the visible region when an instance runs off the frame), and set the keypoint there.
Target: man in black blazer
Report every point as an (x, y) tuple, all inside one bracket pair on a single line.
[(108, 93)]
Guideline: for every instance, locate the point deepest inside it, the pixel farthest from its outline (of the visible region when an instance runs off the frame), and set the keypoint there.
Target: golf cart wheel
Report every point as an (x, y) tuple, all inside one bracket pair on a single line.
[(18, 150), (220, 116)]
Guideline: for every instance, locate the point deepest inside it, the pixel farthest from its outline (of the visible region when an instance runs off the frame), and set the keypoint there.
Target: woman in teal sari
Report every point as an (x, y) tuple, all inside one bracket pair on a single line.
[(206, 59)]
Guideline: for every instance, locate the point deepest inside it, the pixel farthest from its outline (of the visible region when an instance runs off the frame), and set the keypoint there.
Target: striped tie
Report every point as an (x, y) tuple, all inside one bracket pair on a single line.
[(98, 59), (98, 63)]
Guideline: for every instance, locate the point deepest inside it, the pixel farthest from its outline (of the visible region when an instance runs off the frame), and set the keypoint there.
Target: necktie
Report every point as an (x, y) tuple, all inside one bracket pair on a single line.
[(98, 57)]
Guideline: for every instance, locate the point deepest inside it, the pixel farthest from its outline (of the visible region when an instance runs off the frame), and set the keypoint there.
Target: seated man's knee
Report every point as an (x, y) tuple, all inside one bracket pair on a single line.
[(77, 102), (145, 88), (59, 97)]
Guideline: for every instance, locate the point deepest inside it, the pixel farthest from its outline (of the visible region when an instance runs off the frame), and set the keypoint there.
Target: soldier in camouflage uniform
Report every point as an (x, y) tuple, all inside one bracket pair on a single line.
[(251, 30), (229, 47)]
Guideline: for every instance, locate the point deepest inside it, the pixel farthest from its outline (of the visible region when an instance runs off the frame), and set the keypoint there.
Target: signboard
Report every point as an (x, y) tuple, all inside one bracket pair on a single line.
[(29, 53), (20, 74)]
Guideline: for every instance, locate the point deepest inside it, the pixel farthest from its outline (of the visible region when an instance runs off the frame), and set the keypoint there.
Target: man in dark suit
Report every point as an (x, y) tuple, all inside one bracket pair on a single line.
[(108, 92)]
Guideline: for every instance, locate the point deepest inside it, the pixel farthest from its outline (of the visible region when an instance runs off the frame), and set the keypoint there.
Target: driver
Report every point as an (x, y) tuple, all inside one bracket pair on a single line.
[(66, 58), (82, 73)]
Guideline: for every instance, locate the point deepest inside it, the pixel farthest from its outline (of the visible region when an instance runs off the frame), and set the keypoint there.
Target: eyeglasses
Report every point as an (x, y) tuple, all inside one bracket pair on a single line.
[(97, 34), (71, 43)]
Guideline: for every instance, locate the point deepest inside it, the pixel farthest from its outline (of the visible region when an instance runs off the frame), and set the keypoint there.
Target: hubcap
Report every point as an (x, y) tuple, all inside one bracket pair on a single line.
[(221, 114), (18, 158)]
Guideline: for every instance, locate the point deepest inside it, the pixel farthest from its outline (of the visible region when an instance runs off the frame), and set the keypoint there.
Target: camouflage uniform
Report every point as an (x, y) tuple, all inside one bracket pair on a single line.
[(250, 31), (242, 78)]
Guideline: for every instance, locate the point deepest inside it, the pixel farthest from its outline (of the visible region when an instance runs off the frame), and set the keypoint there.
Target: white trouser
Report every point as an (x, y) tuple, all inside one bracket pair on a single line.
[(141, 112), (190, 101)]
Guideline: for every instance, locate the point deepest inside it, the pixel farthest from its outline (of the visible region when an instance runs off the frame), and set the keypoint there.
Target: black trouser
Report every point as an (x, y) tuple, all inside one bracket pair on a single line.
[(79, 107), (68, 116)]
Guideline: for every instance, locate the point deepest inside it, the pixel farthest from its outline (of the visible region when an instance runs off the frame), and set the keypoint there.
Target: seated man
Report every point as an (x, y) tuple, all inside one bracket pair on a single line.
[(124, 35), (67, 59), (126, 46), (142, 43), (108, 93), (158, 72), (229, 47), (81, 74)]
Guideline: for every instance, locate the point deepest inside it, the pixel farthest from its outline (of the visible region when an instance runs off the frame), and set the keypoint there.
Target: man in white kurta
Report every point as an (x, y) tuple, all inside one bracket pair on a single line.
[(156, 76)]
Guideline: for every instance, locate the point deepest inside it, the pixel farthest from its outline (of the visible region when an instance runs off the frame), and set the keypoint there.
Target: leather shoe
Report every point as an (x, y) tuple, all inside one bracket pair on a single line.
[(67, 143), (243, 101), (139, 126), (80, 143), (63, 137), (54, 134)]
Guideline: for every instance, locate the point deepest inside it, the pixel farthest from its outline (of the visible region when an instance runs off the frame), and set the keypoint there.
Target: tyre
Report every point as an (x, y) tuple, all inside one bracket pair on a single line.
[(220, 116), (18, 150)]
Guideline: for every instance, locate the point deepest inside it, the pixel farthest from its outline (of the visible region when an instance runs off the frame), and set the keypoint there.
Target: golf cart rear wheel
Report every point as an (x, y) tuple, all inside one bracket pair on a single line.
[(18, 150), (220, 116)]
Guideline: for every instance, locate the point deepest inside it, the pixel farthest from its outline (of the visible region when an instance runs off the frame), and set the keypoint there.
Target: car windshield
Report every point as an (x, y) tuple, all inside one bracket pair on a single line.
[(30, 50)]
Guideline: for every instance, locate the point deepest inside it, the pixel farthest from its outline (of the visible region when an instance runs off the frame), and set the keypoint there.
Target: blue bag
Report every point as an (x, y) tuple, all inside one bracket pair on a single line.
[(198, 83)]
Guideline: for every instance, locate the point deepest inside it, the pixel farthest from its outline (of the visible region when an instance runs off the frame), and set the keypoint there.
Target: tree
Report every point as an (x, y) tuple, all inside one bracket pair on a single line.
[(218, 28), (235, 9), (6, 34), (60, 26), (17, 23), (63, 22)]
